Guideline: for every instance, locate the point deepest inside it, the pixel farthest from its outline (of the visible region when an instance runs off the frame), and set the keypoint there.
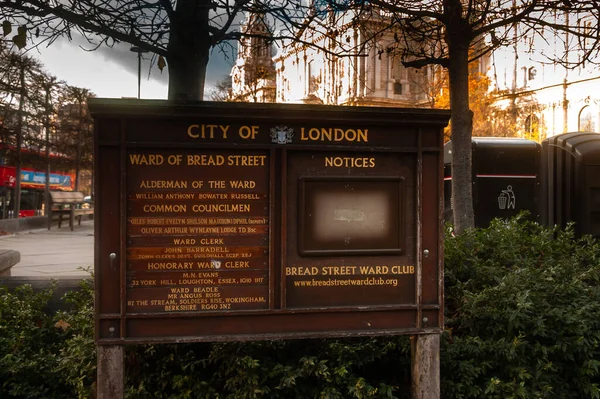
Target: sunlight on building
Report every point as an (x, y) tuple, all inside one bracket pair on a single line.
[(529, 94)]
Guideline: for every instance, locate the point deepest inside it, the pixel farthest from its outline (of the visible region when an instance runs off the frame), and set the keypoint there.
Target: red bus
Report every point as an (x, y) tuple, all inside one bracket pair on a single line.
[(33, 185)]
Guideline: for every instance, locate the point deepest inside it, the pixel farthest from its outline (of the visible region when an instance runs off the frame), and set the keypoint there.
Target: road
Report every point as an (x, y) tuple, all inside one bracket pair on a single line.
[(53, 253)]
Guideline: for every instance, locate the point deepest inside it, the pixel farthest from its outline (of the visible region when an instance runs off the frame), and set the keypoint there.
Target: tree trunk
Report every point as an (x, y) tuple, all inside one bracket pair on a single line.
[(79, 141), (462, 127), (47, 137), (188, 50), (19, 141)]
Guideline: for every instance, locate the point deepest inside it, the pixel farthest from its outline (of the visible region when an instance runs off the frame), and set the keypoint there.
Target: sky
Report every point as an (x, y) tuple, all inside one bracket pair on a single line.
[(113, 72)]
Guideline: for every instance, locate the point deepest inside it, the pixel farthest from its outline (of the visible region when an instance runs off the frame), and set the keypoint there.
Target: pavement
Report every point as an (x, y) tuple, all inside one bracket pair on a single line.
[(53, 253)]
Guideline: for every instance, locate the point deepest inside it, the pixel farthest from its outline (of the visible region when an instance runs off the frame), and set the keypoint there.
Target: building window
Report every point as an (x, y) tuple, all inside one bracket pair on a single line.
[(532, 72), (397, 88), (586, 120)]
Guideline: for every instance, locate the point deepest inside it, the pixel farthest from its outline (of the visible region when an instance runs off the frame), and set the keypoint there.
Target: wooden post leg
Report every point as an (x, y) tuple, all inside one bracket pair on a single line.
[(71, 218), (111, 372), (425, 364)]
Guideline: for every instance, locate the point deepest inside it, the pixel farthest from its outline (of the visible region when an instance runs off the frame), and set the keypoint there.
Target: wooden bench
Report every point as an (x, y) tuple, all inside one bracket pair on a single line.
[(68, 203)]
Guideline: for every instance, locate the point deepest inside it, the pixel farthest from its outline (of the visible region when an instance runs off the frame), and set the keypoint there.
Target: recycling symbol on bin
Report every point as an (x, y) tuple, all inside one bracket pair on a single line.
[(506, 200)]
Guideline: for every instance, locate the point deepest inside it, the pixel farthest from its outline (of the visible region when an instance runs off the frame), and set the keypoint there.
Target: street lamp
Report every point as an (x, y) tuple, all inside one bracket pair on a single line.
[(139, 52)]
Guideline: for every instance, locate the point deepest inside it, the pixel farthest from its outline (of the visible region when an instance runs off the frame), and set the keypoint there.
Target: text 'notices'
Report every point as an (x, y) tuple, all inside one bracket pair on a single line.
[(197, 231)]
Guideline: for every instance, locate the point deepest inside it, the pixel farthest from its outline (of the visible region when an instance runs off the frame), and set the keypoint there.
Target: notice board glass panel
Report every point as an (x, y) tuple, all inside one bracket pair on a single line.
[(353, 216)]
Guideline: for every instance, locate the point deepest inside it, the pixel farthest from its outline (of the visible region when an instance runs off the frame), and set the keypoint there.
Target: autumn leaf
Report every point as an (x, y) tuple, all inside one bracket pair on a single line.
[(63, 325), (161, 63)]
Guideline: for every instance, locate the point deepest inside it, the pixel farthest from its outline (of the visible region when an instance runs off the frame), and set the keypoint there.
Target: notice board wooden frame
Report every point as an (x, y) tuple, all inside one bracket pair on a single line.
[(367, 142)]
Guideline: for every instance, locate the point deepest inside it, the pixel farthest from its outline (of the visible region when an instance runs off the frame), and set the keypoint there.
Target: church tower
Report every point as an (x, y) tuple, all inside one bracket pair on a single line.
[(253, 75)]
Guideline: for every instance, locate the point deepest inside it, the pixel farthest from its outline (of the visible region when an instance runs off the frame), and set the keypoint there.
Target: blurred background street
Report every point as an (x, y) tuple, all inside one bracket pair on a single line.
[(53, 253)]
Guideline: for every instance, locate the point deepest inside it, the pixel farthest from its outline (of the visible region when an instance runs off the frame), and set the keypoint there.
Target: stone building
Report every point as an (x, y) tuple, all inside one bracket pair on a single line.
[(548, 97), (364, 71), (348, 63), (253, 75)]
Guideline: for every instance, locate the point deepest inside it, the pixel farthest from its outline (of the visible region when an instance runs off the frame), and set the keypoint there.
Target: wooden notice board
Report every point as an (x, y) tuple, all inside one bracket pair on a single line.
[(228, 221)]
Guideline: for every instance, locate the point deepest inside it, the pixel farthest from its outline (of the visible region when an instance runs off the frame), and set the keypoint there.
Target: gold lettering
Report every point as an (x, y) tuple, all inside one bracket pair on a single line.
[(163, 184), (205, 160), (151, 230), (162, 302), (212, 196), (179, 196), (339, 135), (313, 134), (184, 241), (224, 130), (189, 131), (206, 289), (206, 131), (334, 134), (248, 299), (212, 241), (350, 135), (170, 265), (149, 196), (242, 208), (248, 132), (302, 135), (202, 221), (245, 196), (242, 184), (143, 282), (237, 264), (148, 160), (222, 281), (349, 162), (246, 160), (301, 271), (374, 269), (175, 230), (179, 308), (410, 269), (196, 281), (164, 208), (173, 250), (211, 129), (179, 290), (338, 270)]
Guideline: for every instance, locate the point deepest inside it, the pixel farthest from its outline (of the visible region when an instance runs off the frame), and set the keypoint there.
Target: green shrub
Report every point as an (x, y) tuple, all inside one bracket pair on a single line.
[(348, 368), (77, 358), (523, 313), (44, 355), (29, 346), (522, 321)]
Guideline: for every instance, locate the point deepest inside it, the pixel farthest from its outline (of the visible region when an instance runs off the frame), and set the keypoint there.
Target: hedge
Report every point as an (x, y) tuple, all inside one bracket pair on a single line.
[(522, 321)]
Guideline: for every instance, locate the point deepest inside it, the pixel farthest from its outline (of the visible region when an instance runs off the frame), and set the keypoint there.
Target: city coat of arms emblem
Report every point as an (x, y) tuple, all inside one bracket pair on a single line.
[(282, 135)]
